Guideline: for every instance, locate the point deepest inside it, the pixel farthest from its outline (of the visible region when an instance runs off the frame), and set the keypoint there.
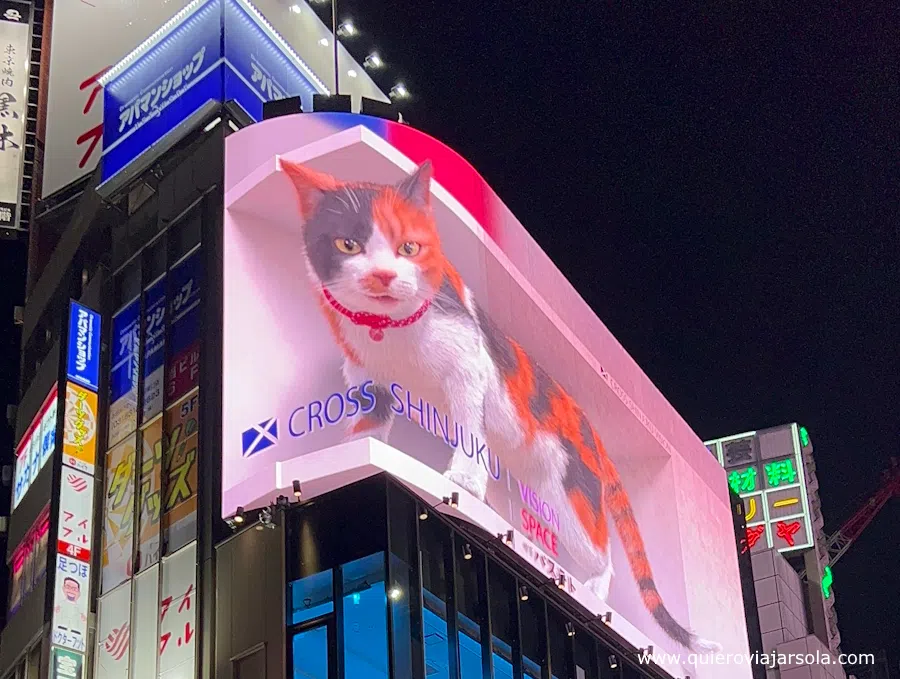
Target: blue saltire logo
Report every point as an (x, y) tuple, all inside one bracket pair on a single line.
[(259, 437)]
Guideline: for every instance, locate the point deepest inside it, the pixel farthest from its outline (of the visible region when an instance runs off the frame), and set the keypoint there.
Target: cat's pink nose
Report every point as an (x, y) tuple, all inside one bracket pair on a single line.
[(384, 277)]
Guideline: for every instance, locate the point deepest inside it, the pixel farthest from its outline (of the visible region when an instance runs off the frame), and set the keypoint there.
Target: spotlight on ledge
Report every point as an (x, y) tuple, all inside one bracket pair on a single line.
[(399, 91), (347, 30), (373, 61), (570, 629), (395, 593), (453, 500), (423, 514), (561, 582), (606, 618), (613, 662), (297, 492), (508, 538), (265, 519), (467, 551), (523, 593), (239, 516)]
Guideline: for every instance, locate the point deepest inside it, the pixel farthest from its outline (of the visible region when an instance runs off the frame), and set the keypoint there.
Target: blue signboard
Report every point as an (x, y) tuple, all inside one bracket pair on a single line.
[(154, 347), (123, 377), (187, 68), (83, 366), (258, 68)]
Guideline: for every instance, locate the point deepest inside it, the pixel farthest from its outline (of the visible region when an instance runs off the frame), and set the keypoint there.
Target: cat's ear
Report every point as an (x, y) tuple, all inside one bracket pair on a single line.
[(309, 185), (416, 188)]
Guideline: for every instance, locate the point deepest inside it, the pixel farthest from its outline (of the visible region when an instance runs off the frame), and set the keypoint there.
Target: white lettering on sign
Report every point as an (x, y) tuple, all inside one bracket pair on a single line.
[(150, 104), (81, 347)]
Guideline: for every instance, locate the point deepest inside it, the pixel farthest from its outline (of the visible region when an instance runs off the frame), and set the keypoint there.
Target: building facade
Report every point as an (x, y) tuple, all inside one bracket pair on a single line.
[(774, 473), (208, 483)]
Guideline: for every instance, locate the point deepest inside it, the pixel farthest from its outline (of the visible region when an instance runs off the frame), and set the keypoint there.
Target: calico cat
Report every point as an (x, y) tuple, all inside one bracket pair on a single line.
[(402, 314)]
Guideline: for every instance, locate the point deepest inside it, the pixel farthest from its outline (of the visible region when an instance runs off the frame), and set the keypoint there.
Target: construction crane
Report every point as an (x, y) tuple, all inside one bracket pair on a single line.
[(841, 540)]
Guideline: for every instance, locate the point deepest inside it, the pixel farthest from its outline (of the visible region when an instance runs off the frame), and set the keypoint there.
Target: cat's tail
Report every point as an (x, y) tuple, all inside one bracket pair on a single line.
[(619, 506)]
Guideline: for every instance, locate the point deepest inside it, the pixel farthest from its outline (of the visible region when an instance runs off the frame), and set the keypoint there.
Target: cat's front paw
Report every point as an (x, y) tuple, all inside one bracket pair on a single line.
[(474, 485)]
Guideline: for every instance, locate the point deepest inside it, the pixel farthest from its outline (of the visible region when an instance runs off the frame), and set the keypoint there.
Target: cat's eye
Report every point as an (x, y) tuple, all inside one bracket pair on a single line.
[(409, 249), (348, 246)]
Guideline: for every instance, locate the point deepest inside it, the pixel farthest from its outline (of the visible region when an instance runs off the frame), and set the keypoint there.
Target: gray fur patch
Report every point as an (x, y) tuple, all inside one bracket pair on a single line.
[(498, 344), (539, 403), (578, 475), (448, 301), (382, 411), (344, 213)]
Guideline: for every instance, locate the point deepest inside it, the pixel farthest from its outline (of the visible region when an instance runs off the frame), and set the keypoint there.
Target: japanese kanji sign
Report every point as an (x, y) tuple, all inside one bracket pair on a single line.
[(80, 430), (65, 664), (76, 515), (118, 524), (15, 29), (71, 603), (178, 614)]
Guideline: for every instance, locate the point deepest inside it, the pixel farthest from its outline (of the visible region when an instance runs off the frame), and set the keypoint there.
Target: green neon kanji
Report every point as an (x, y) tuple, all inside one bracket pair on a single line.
[(804, 437), (827, 581), (778, 473), (743, 481)]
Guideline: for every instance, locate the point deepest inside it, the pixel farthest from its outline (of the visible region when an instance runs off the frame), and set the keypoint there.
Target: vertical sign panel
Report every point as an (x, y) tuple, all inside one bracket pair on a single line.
[(149, 500), (71, 603), (80, 430), (76, 515), (154, 348), (15, 22), (113, 635), (178, 614), (36, 447), (146, 613), (182, 423), (66, 664), (118, 515), (83, 360), (123, 378), (183, 370)]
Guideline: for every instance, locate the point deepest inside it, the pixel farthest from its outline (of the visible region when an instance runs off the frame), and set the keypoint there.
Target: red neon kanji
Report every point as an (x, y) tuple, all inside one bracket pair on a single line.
[(188, 633), (95, 134), (786, 531), (754, 533)]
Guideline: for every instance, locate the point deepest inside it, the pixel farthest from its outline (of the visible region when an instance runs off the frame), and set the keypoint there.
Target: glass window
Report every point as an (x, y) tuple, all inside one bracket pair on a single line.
[(127, 283), (504, 621), (365, 617), (534, 639), (406, 609), (630, 672), (585, 657), (309, 653), (470, 609), (434, 538), (556, 626), (155, 259), (184, 235), (310, 597)]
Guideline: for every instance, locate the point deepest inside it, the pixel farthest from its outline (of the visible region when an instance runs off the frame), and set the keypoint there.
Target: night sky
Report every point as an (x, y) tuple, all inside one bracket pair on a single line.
[(721, 185)]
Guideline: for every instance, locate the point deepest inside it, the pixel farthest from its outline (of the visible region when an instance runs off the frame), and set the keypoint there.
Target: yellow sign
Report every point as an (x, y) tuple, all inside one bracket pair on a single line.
[(80, 430)]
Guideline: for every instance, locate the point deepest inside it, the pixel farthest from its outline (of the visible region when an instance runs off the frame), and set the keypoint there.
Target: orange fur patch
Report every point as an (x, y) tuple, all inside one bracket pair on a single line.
[(591, 518), (402, 223), (520, 387)]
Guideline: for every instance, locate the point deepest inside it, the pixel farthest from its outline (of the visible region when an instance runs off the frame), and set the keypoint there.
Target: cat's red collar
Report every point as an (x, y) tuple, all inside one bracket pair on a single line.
[(376, 323)]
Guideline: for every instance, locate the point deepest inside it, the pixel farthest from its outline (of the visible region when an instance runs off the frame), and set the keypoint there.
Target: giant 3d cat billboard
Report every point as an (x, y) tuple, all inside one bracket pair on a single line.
[(376, 287)]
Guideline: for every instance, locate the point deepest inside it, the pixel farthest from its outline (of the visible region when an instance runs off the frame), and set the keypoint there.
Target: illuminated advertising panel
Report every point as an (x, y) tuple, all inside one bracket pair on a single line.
[(35, 448), (215, 50), (766, 469), (83, 360), (80, 429), (374, 286)]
